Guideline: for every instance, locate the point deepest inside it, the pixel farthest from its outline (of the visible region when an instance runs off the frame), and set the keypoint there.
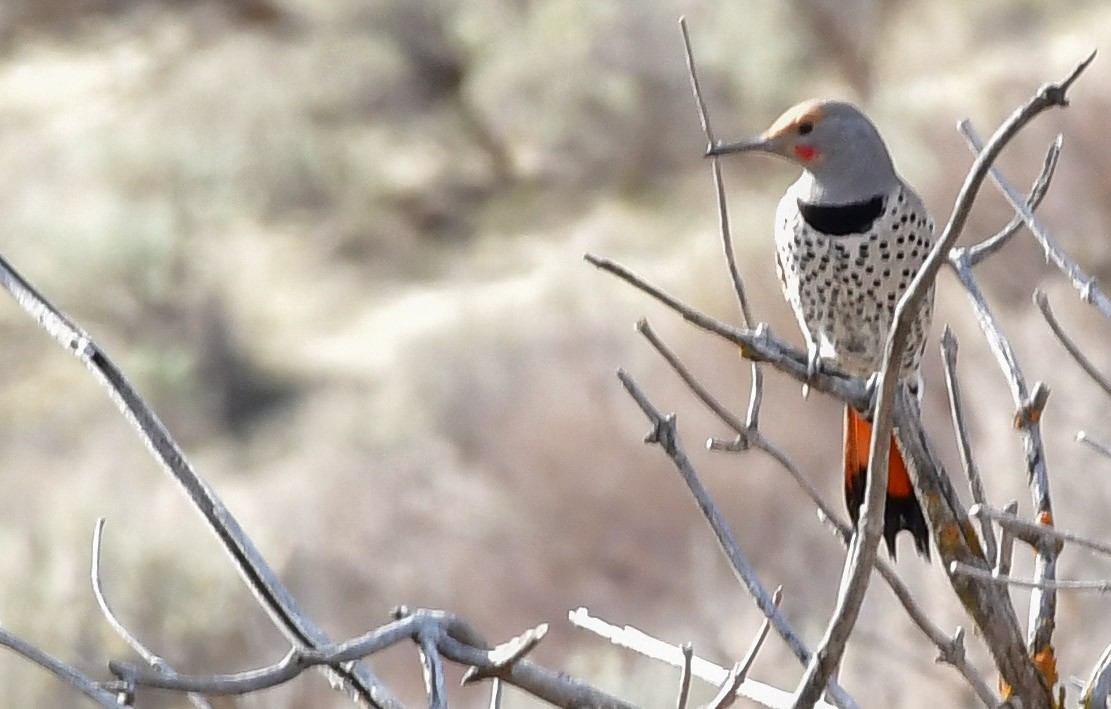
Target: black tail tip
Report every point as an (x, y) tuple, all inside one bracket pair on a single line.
[(905, 513)]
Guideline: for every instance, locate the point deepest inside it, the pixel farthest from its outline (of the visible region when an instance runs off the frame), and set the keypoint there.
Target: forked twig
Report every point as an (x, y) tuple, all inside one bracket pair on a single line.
[(1086, 285), (665, 434), (950, 650), (758, 345), (991, 245), (260, 579)]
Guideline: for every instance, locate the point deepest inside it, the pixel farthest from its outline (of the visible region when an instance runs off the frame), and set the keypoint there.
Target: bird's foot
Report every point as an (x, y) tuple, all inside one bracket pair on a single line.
[(813, 368), (871, 389)]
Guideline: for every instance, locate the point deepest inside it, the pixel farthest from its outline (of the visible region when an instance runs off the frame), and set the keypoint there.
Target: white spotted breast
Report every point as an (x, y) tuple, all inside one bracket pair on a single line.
[(844, 268)]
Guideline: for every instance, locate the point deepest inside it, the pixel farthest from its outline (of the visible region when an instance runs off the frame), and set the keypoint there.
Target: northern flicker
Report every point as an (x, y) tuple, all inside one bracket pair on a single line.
[(849, 237)]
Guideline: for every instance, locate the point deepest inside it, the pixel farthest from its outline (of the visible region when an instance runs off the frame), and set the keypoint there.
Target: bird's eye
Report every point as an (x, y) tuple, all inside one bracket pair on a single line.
[(805, 127)]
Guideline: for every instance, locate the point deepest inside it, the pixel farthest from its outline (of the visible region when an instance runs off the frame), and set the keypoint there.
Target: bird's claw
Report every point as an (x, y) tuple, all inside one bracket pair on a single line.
[(813, 368)]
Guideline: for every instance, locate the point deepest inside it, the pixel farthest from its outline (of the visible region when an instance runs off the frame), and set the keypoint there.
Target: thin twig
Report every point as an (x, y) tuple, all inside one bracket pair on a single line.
[(656, 649), (149, 657), (989, 246), (1056, 585), (949, 349), (756, 394), (685, 676), (264, 584), (495, 694), (111, 699), (1098, 446), (432, 670), (1006, 545), (665, 434), (727, 692), (703, 114), (1019, 526), (758, 641), (1095, 691), (758, 345), (1042, 301)]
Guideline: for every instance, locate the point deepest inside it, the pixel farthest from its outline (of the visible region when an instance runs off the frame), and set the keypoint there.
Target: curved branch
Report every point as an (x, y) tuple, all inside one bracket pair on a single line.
[(268, 590), (149, 657), (1042, 301)]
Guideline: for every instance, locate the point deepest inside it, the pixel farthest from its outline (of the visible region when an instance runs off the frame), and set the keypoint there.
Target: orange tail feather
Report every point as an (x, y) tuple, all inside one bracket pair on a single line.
[(902, 509)]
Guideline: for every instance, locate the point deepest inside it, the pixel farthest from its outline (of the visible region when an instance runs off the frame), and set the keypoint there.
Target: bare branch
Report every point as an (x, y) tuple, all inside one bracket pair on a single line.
[(758, 346), (505, 655), (263, 583), (727, 693), (495, 694), (664, 434), (149, 657), (684, 676), (986, 248), (703, 114), (757, 393), (950, 650), (1090, 291), (1043, 605), (1064, 585), (438, 633), (1039, 532), (746, 664), (111, 699), (1042, 302), (1092, 443), (1095, 691), (648, 646), (949, 349), (988, 604), (1006, 545), (432, 670)]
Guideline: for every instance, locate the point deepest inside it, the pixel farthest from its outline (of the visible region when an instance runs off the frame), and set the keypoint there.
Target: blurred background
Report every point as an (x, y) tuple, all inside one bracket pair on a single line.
[(337, 243)]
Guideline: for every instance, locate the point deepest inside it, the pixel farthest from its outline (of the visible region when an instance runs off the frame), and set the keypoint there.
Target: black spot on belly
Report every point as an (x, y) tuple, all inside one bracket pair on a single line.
[(841, 219)]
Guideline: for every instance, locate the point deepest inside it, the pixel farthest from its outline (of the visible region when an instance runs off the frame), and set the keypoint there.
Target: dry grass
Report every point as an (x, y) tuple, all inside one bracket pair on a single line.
[(338, 244)]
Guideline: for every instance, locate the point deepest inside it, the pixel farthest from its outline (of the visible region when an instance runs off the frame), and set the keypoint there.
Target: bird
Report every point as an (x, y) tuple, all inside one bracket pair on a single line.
[(850, 235)]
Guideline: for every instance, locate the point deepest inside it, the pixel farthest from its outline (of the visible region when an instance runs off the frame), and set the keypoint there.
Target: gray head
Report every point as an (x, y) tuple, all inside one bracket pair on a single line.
[(840, 151)]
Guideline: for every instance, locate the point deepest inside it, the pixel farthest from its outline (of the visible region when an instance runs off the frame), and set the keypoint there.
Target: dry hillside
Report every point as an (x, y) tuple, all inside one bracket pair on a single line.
[(337, 243)]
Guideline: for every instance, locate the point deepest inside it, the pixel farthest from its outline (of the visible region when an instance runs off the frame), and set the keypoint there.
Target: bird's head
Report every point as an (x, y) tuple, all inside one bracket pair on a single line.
[(833, 141)]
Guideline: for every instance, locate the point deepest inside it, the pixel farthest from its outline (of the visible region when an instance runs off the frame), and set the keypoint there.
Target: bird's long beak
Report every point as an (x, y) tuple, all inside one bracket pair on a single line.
[(759, 143)]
